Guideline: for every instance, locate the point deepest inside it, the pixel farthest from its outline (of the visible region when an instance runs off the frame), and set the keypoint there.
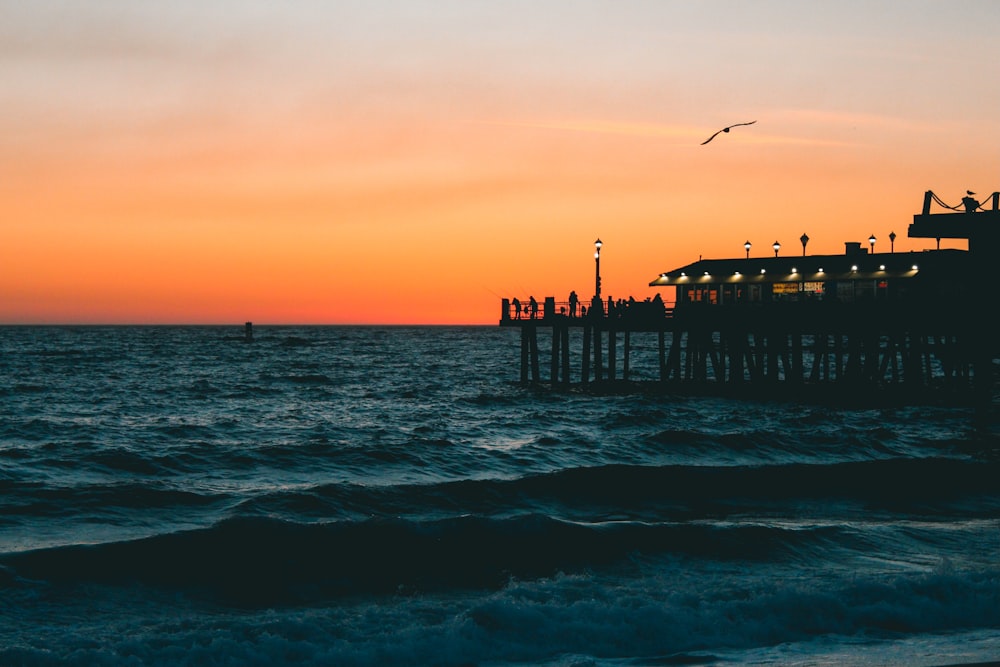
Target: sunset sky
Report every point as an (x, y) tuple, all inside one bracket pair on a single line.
[(374, 162)]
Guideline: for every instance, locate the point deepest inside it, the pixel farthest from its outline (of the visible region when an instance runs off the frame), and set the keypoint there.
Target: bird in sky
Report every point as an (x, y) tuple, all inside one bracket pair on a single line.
[(726, 129), (969, 192)]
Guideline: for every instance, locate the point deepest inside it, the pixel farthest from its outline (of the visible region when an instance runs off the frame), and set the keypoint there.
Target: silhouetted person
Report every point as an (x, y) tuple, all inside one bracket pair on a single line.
[(572, 303), (970, 202), (534, 306), (658, 304), (517, 308)]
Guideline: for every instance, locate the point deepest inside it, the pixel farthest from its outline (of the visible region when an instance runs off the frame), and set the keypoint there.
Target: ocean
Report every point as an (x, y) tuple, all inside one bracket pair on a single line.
[(394, 496)]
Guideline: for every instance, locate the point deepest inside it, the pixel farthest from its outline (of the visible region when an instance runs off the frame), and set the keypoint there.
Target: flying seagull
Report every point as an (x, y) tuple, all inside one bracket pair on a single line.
[(726, 129)]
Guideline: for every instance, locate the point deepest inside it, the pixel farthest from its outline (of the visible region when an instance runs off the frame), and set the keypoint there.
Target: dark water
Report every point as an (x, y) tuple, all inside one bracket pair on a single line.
[(390, 496)]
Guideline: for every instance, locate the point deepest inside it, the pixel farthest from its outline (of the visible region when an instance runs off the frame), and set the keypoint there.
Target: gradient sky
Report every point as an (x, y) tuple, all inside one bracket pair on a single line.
[(335, 162)]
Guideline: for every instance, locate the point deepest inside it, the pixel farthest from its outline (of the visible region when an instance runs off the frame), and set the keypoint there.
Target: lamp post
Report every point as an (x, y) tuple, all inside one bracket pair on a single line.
[(892, 242), (805, 240), (746, 246), (871, 242), (597, 266), (777, 247)]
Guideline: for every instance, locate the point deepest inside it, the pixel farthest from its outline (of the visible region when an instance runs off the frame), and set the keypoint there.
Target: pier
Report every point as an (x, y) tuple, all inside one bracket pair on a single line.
[(759, 349), (906, 328)]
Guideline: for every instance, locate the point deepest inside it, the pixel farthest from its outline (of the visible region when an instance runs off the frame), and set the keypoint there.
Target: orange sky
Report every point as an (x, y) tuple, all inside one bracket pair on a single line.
[(412, 162)]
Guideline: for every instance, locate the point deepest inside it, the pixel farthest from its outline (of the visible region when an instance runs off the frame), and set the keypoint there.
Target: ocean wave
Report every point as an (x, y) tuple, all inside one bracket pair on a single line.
[(307, 378), (890, 480), (25, 388), (256, 561), (935, 486), (394, 591), (295, 341), (564, 621), (32, 500)]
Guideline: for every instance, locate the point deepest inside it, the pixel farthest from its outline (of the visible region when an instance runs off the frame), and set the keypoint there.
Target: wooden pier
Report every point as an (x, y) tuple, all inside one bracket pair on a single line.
[(904, 328)]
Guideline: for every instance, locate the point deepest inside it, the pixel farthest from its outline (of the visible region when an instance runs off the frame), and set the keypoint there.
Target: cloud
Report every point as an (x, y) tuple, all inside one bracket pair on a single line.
[(851, 119), (602, 127)]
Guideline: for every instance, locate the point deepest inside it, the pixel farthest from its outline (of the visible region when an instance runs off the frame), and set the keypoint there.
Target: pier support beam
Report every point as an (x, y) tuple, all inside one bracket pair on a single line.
[(554, 357), (661, 348), (598, 363), (612, 354), (627, 348), (524, 355), (564, 337), (533, 343)]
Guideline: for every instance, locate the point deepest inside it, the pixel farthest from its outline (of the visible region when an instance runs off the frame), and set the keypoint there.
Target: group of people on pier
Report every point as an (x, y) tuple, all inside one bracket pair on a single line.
[(573, 308), (531, 309)]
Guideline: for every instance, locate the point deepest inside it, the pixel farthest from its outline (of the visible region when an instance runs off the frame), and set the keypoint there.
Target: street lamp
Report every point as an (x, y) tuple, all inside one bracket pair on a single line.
[(777, 247), (597, 266), (871, 242), (746, 246), (805, 240), (892, 242)]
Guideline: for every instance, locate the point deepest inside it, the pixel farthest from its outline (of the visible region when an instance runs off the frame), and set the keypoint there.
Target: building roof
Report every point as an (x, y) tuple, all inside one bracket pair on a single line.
[(855, 264)]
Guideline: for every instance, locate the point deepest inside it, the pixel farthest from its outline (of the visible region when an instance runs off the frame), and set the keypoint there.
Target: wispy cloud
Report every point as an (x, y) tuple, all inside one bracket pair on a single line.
[(602, 127), (851, 119)]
